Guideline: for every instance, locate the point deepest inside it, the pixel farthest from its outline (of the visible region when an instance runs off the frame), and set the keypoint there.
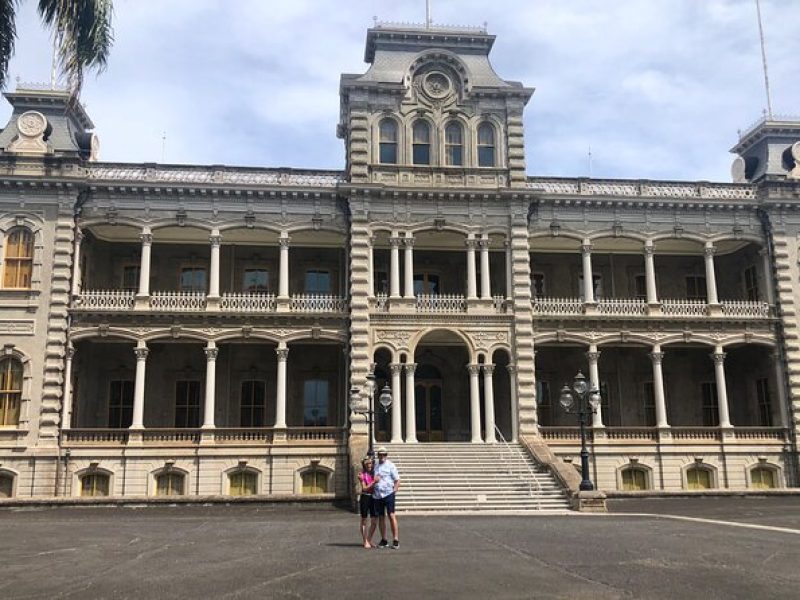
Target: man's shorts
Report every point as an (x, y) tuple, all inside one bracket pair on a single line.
[(367, 506), (384, 505)]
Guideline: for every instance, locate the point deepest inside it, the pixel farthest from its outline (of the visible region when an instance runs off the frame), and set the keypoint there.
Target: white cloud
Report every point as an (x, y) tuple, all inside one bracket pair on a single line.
[(658, 88)]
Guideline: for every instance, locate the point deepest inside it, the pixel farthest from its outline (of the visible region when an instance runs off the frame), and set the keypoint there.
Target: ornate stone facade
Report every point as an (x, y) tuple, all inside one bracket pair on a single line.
[(203, 330)]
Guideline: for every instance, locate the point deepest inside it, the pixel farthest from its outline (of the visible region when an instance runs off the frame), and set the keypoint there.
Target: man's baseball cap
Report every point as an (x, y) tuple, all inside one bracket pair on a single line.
[(383, 450)]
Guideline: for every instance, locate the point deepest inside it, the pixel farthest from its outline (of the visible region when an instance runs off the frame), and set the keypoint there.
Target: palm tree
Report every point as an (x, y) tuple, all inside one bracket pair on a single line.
[(81, 29)]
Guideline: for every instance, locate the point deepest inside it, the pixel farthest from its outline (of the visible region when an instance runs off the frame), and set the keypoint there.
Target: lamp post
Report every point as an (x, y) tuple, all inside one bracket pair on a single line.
[(587, 402), (371, 389)]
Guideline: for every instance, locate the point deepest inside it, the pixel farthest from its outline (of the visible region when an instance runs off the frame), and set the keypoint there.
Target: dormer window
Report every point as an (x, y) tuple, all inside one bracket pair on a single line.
[(388, 142), (454, 144), (422, 143), (486, 145)]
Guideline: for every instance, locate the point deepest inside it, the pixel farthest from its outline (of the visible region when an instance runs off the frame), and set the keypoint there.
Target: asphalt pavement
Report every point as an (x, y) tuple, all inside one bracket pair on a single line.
[(284, 551)]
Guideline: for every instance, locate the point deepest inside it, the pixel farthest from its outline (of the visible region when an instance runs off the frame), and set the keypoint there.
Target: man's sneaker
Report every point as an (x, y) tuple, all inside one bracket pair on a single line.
[(395, 544), (383, 544)]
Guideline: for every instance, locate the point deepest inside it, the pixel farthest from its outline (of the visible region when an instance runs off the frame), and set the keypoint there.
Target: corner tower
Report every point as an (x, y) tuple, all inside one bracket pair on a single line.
[(431, 111)]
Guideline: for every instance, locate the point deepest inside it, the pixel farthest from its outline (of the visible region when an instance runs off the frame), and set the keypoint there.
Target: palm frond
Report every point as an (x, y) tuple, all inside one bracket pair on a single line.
[(8, 35), (84, 35)]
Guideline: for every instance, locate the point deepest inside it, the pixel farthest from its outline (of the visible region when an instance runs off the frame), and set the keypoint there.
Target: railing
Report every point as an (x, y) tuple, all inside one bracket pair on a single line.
[(107, 300), (170, 436), (626, 188), (519, 458), (684, 308), (561, 434), (632, 433), (247, 303), (501, 305), (243, 436), (314, 434), (760, 433), (558, 307), (696, 434), (381, 303), (745, 309), (622, 306), (308, 303), (178, 301), (95, 437), (441, 303)]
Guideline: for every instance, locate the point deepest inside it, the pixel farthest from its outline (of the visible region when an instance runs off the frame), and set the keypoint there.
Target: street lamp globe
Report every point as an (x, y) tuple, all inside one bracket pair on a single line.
[(579, 385), (386, 397), (565, 399), (594, 399)]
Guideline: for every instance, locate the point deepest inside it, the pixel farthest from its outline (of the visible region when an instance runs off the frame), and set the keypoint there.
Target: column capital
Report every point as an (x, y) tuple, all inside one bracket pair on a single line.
[(396, 368), (474, 368), (511, 368), (395, 242), (593, 356), (656, 357), (488, 369), (282, 352), (718, 357), (284, 241), (410, 368), (471, 243), (211, 352), (79, 235), (709, 249), (141, 352), (146, 237), (586, 248), (215, 239), (649, 248), (408, 241), (483, 243), (69, 351)]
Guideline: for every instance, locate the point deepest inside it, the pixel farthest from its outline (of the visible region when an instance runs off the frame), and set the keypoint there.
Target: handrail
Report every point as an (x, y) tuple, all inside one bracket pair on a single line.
[(531, 472)]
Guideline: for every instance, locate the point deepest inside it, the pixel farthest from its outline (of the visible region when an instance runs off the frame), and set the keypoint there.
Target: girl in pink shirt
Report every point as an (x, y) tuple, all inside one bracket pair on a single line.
[(366, 481)]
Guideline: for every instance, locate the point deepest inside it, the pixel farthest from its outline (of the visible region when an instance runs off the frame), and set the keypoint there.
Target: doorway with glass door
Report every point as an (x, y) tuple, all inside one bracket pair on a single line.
[(428, 404)]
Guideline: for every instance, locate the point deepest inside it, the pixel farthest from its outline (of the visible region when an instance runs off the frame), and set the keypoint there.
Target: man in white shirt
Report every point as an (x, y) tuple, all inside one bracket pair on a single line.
[(387, 482)]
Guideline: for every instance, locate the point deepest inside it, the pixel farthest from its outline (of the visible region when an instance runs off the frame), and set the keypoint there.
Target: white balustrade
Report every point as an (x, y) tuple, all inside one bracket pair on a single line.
[(381, 303), (441, 303), (684, 308), (107, 300), (178, 301), (745, 309), (627, 307), (243, 436), (314, 434), (248, 303), (312, 303), (558, 306), (500, 304)]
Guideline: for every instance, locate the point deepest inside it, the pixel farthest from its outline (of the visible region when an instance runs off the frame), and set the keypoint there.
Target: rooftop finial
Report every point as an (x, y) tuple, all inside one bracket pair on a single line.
[(428, 19)]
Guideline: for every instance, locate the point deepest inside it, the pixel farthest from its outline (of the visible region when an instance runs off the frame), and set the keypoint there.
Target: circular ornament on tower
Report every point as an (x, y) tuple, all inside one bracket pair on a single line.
[(738, 170), (437, 85), (31, 123)]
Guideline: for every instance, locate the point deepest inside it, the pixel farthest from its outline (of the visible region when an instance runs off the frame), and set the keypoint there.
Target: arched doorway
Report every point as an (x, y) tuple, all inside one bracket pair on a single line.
[(428, 404)]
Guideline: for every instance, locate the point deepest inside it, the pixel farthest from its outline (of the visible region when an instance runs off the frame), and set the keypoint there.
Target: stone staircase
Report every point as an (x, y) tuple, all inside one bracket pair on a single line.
[(465, 477)]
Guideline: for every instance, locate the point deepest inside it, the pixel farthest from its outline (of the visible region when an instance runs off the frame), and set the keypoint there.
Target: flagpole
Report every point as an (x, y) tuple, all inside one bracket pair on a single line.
[(764, 59)]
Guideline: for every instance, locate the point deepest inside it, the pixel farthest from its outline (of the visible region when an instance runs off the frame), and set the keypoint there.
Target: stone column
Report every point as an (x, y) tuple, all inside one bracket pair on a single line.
[(394, 272), (66, 403), (722, 391), (280, 391), (411, 408), (76, 264), (397, 408), (371, 251), (486, 289), (657, 356), (213, 272), (474, 403), (512, 380), (588, 280), (472, 284), (144, 266), (766, 279), (593, 355), (488, 403), (283, 267), (409, 266), (780, 388), (711, 280), (650, 273), (141, 352), (211, 351), (509, 273)]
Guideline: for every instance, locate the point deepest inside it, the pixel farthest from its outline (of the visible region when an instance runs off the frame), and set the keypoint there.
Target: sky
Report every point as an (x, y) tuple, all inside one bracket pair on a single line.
[(656, 88)]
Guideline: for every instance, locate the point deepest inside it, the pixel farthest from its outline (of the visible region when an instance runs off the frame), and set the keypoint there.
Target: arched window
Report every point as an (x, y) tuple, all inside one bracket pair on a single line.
[(422, 143), (634, 479), (95, 484), (763, 478), (6, 485), (315, 482), (243, 483), (698, 478), (486, 145), (18, 258), (388, 142), (170, 483), (10, 391), (454, 144)]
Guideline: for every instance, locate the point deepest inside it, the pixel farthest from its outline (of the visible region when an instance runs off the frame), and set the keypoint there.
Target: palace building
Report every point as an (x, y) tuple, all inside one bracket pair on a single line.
[(204, 331)]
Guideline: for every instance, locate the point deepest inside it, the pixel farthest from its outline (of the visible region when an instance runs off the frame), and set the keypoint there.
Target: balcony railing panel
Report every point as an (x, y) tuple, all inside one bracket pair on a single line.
[(178, 301), (171, 436), (314, 434), (648, 434), (243, 436), (95, 437), (247, 303), (696, 434), (623, 307), (441, 303), (759, 433), (107, 300), (745, 309), (558, 307), (684, 308), (381, 303), (313, 303)]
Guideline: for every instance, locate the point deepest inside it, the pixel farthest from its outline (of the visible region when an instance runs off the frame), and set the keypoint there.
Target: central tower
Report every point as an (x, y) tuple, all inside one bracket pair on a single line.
[(431, 111)]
